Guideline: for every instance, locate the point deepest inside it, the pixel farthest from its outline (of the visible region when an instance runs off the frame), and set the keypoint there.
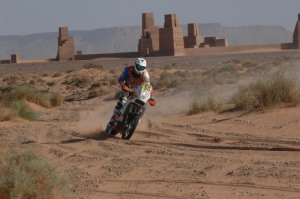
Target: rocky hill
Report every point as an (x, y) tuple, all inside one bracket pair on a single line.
[(125, 39)]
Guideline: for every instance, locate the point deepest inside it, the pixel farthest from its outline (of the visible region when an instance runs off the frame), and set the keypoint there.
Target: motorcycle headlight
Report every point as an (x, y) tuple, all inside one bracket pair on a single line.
[(144, 94)]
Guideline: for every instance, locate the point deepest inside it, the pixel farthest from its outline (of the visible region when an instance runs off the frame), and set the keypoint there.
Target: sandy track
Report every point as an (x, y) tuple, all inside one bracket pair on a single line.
[(177, 156)]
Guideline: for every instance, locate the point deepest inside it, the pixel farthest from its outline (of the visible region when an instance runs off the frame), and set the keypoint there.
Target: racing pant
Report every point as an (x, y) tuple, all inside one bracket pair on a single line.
[(124, 95), (122, 100)]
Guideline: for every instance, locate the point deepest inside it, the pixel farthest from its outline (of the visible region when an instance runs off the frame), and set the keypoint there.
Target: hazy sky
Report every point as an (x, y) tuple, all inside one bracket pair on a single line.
[(35, 16)]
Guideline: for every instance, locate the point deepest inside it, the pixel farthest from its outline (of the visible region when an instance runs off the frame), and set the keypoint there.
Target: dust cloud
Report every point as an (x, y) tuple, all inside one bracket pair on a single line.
[(93, 123)]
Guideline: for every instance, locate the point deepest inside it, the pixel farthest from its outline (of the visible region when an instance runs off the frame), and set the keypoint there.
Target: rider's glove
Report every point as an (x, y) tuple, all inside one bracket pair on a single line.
[(152, 102), (126, 88)]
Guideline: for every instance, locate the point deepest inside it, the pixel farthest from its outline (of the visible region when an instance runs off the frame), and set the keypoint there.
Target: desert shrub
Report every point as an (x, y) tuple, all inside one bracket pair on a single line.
[(96, 85), (40, 80), (237, 61), (32, 82), (11, 78), (78, 80), (24, 93), (182, 74), (267, 92), (228, 68), (13, 102), (70, 71), (57, 74), (114, 81), (250, 64), (110, 80), (52, 83), (169, 80), (168, 67), (93, 65), (23, 110), (25, 175), (56, 99), (45, 74), (114, 71), (96, 92), (198, 105), (6, 113)]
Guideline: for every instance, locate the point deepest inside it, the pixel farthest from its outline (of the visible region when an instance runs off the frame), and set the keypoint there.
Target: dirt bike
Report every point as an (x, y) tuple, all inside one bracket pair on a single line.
[(132, 111)]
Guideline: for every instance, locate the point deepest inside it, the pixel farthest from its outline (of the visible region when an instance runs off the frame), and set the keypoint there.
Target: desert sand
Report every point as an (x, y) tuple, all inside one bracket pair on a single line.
[(171, 154)]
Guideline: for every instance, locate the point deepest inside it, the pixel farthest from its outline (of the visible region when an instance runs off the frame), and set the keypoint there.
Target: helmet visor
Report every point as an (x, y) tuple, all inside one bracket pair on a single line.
[(140, 68)]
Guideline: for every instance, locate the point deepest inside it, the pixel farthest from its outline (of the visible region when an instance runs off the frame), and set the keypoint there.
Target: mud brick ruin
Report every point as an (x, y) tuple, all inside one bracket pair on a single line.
[(149, 42), (166, 41), (15, 58), (170, 38), (66, 49), (193, 40), (296, 36)]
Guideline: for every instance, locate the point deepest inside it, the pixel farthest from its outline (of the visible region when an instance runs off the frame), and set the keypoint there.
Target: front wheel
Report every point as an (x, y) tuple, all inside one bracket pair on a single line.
[(132, 124)]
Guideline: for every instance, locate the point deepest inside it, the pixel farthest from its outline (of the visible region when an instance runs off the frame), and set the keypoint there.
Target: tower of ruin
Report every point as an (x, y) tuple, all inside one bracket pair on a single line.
[(296, 36), (193, 40), (171, 37), (149, 42), (66, 49)]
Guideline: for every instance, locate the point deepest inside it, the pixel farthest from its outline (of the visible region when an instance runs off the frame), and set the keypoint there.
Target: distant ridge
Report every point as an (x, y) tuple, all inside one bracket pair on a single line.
[(125, 39)]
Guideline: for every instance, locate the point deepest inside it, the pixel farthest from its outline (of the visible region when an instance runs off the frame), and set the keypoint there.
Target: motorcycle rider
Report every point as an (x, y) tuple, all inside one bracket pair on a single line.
[(132, 77)]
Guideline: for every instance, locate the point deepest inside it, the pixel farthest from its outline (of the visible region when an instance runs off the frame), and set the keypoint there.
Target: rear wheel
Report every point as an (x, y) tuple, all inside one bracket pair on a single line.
[(132, 124)]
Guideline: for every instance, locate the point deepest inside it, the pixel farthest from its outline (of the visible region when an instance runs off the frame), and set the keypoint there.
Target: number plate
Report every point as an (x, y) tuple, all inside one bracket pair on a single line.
[(147, 87)]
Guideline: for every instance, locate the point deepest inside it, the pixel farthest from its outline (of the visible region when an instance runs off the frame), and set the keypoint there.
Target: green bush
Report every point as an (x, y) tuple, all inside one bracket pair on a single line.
[(268, 92), (27, 176)]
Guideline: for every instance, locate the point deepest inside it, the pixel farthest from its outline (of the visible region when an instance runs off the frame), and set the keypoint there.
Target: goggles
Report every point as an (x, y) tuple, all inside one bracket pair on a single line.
[(139, 67)]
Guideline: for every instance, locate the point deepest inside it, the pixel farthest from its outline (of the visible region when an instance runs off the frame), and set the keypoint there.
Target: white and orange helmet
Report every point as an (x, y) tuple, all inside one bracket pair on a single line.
[(139, 65)]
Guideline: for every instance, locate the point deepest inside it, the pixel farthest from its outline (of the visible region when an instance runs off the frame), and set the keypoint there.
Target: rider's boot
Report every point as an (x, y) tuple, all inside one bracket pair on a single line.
[(112, 121)]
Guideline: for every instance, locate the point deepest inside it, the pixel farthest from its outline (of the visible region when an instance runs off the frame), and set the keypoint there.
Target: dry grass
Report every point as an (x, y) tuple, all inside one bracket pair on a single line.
[(78, 80), (93, 65), (97, 92), (169, 80), (25, 175), (57, 74), (24, 93), (56, 99), (268, 92), (51, 83), (13, 102), (199, 105), (7, 113)]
